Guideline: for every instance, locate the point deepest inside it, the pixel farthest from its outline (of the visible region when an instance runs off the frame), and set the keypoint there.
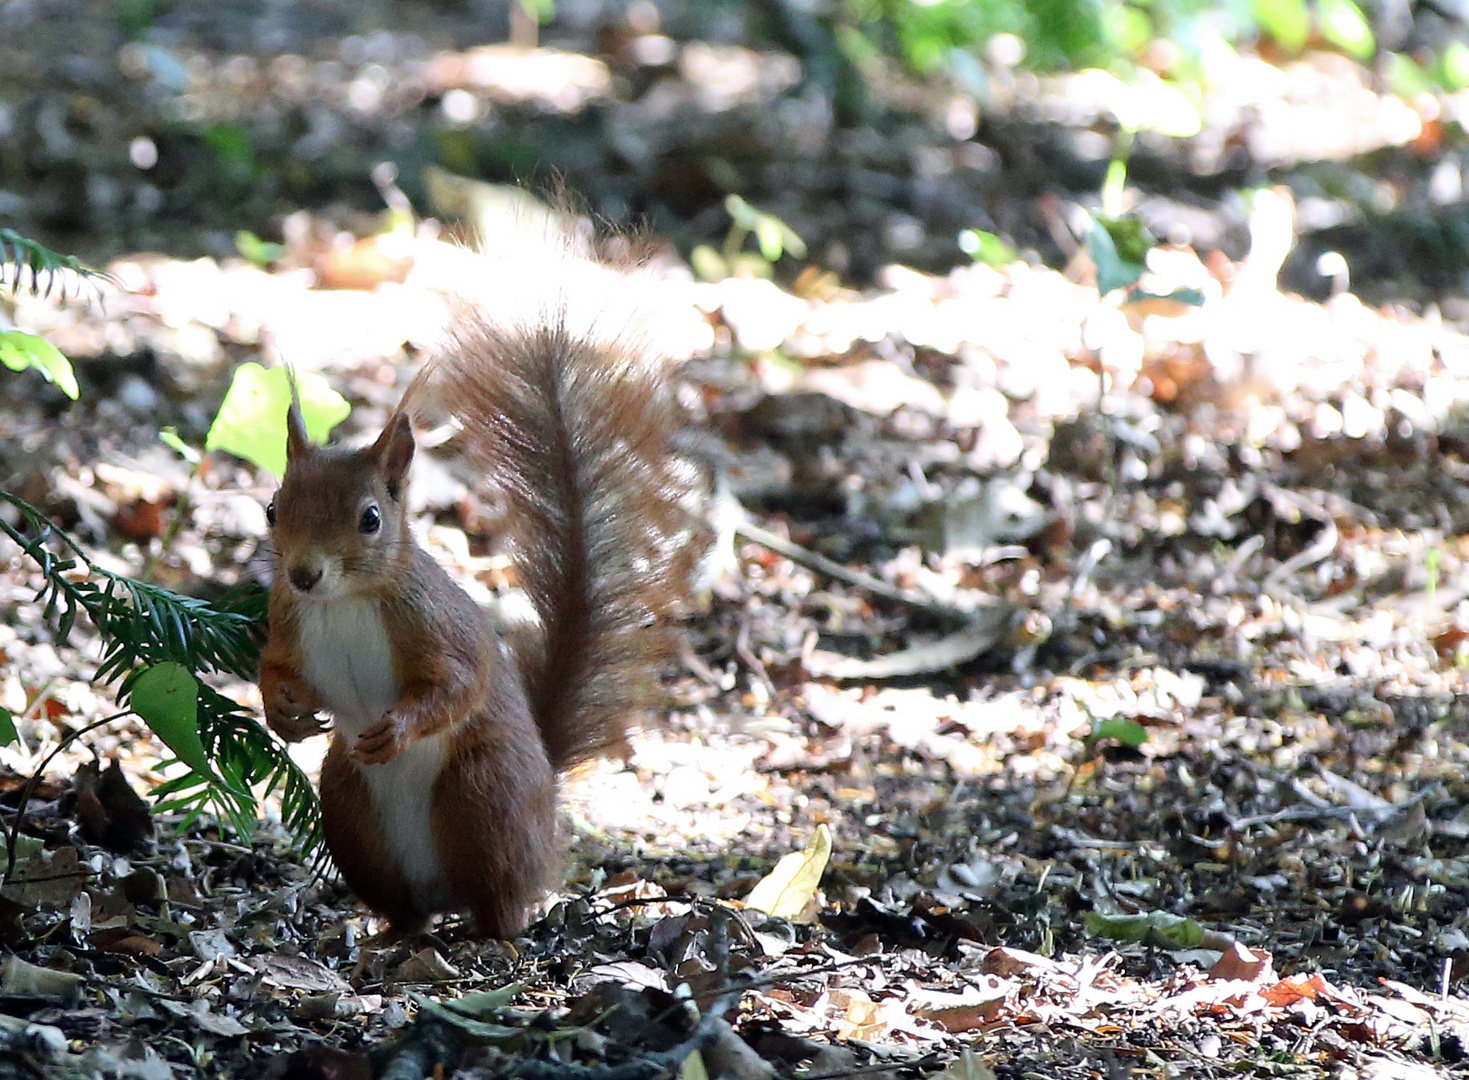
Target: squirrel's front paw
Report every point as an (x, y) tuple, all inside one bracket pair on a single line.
[(293, 727), (290, 717), (380, 743)]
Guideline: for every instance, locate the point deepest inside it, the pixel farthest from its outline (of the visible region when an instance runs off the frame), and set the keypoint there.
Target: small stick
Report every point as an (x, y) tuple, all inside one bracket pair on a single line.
[(821, 564), (30, 787)]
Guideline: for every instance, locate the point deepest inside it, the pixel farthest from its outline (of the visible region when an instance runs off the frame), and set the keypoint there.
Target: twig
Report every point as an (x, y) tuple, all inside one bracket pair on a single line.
[(747, 654), (929, 1060), (1309, 813), (821, 564), (30, 787)]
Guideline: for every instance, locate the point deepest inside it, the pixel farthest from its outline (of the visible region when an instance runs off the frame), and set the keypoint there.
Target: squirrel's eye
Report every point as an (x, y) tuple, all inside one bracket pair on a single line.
[(270, 513), (371, 520)]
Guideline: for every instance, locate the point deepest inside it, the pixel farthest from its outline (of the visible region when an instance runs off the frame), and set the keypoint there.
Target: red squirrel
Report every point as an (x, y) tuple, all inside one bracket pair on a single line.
[(438, 791)]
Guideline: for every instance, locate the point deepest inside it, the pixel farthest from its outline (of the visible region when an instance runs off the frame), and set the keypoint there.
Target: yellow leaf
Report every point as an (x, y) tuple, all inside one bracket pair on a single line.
[(693, 1068), (790, 887)]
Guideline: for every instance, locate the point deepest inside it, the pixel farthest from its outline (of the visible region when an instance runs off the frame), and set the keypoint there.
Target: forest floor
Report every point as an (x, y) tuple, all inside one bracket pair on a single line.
[(1114, 641), (1145, 751)]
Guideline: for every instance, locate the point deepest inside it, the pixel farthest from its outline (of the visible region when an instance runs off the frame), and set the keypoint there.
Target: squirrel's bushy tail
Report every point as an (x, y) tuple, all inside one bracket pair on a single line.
[(575, 438)]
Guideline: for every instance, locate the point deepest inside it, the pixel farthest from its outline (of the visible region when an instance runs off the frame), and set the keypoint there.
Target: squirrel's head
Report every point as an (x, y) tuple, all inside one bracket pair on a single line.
[(339, 521)]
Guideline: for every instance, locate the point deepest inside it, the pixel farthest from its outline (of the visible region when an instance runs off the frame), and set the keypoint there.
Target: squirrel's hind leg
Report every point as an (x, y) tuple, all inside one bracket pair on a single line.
[(495, 825), (355, 838)]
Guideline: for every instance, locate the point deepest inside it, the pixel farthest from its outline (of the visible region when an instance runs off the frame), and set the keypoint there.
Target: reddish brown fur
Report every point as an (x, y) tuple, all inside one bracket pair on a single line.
[(501, 859), (354, 836), (576, 439)]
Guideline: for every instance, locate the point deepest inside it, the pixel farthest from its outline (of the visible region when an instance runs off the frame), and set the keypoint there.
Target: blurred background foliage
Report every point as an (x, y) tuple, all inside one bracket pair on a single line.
[(873, 130)]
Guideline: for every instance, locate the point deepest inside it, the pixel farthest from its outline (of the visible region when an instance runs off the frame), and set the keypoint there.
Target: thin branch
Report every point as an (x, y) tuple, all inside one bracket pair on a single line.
[(13, 836)]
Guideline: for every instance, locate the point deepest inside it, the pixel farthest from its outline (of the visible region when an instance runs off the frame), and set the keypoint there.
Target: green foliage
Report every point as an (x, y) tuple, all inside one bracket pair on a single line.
[(234, 152), (1157, 928), (1344, 25), (1287, 21), (255, 250), (19, 351), (1453, 66), (26, 263), (155, 641), (1118, 247), (146, 630), (986, 247), (166, 695), (136, 16), (925, 35), (773, 239), (1128, 732), (169, 437), (8, 734), (950, 36), (251, 422)]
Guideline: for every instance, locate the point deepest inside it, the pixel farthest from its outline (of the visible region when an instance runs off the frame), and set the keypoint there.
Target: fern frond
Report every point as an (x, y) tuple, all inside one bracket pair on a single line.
[(26, 263), (143, 624)]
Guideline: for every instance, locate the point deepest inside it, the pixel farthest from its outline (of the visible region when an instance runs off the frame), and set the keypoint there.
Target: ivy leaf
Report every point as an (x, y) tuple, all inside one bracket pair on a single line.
[(8, 734), (166, 696), (252, 418), (19, 351)]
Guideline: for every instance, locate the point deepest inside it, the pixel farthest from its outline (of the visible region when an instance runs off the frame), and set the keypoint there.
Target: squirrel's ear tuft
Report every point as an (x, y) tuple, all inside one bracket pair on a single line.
[(393, 451), (298, 443)]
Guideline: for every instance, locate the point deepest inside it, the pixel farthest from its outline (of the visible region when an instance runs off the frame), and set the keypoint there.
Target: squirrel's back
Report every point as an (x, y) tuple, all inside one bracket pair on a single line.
[(573, 436)]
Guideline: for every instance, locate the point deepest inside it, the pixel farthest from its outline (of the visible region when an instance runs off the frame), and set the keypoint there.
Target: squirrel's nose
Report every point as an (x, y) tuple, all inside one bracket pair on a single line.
[(305, 577)]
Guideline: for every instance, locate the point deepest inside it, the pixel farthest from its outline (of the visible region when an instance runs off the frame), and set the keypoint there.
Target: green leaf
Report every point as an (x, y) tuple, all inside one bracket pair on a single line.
[(986, 247), (166, 696), (258, 251), (1344, 25), (708, 264), (481, 1003), (1114, 269), (35, 263), (743, 214), (1166, 108), (169, 437), (479, 1030), (767, 235), (1454, 65), (1287, 21), (1127, 732), (8, 734), (252, 419), (1154, 928), (19, 351)]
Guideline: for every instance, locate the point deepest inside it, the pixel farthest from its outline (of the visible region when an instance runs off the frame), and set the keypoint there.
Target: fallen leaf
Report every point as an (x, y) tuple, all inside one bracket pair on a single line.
[(788, 890), (1239, 962), (298, 973)]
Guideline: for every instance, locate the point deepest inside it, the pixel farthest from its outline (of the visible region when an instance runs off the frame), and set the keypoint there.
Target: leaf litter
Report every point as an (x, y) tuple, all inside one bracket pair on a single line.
[(1158, 770)]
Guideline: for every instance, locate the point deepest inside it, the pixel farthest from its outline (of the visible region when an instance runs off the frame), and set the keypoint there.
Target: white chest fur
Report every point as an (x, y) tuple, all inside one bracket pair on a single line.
[(348, 659)]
